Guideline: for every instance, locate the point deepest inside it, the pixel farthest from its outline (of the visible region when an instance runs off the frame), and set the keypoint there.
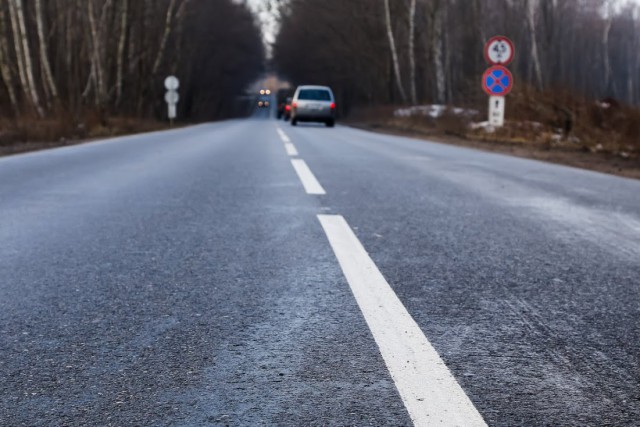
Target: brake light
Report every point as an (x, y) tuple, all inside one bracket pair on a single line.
[(333, 105), (294, 105)]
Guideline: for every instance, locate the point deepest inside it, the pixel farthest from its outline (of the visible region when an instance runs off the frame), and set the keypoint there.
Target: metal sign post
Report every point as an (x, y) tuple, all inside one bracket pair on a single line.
[(172, 97), (497, 81)]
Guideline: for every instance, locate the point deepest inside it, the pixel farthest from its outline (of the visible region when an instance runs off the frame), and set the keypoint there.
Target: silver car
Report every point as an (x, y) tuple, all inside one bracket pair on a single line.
[(313, 104)]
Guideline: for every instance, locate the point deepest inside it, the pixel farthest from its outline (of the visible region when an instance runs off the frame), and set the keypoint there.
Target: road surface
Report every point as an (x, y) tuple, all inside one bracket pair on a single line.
[(253, 273)]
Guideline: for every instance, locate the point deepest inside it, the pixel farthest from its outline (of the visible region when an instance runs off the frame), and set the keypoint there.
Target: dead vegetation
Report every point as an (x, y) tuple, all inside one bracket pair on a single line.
[(29, 134), (554, 126)]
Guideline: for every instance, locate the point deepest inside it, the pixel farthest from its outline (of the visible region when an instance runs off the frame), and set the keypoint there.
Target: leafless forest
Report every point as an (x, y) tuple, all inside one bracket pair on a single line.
[(70, 60), (415, 51)]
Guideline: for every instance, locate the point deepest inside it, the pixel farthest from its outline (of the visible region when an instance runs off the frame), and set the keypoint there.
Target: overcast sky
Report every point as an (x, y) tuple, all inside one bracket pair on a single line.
[(264, 10)]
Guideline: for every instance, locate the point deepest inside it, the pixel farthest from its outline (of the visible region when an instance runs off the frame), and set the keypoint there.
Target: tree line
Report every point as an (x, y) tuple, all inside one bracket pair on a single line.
[(68, 57), (415, 51)]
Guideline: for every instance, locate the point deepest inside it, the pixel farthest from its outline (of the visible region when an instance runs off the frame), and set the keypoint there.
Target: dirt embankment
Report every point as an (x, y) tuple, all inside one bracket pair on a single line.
[(556, 127), (25, 134)]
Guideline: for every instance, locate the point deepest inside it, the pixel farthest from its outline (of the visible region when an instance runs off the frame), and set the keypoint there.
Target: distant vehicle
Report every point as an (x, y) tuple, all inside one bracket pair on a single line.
[(281, 97), (287, 109), (313, 104)]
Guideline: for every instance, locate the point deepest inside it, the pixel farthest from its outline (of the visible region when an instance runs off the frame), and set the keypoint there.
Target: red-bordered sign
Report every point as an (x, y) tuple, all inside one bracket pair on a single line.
[(497, 81), (499, 50)]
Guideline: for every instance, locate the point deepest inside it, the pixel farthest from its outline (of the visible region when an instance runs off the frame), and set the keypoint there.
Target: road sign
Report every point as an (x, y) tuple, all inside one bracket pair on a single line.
[(172, 97), (172, 83), (497, 81), (499, 50), (496, 110)]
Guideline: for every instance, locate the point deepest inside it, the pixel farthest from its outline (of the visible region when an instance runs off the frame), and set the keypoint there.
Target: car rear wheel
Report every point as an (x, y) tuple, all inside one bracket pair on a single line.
[(330, 123), (294, 122)]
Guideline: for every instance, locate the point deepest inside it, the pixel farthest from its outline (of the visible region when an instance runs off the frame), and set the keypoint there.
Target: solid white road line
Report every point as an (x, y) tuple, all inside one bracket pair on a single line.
[(310, 183), (291, 149), (429, 391)]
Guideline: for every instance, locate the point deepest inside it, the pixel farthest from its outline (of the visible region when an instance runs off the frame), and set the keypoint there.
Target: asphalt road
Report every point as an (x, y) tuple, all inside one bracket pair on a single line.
[(185, 278)]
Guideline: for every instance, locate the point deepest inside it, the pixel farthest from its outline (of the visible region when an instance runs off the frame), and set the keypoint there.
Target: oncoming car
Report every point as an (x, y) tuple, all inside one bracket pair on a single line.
[(313, 104)]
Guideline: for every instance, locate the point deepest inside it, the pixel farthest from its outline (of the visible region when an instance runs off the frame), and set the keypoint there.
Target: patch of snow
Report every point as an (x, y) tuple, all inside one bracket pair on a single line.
[(434, 111), (483, 125)]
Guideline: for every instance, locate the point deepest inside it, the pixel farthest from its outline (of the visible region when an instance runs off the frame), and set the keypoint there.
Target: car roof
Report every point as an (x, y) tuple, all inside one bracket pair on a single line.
[(314, 87)]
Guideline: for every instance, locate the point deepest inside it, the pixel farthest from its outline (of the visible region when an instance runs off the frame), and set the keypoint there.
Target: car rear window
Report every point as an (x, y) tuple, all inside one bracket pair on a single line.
[(314, 95)]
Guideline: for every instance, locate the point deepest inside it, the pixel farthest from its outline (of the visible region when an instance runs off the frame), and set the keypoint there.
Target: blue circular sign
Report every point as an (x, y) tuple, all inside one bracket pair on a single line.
[(497, 81)]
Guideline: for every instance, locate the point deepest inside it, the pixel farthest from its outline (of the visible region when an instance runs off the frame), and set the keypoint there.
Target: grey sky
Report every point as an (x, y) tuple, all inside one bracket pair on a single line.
[(262, 9)]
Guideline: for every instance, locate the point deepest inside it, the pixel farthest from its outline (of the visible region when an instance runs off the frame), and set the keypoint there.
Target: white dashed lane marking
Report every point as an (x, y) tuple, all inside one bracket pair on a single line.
[(429, 391), (283, 136), (309, 181), (288, 145), (291, 149)]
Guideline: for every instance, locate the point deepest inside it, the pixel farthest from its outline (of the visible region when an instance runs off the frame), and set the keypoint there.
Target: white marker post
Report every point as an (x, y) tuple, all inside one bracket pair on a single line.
[(172, 97)]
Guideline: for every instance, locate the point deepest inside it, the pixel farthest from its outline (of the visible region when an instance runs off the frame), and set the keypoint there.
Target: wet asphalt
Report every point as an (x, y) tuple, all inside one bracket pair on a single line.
[(182, 278)]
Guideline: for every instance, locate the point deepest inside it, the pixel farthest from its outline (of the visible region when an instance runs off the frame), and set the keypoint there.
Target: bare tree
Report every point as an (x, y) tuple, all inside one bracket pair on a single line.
[(606, 59), (394, 52), (412, 51), (165, 36), (437, 38), (23, 50), (535, 56), (122, 39), (5, 67), (44, 57)]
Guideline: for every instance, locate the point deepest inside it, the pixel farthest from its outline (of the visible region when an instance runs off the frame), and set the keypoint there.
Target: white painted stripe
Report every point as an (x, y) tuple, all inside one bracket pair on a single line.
[(429, 391), (291, 149), (310, 183), (283, 136)]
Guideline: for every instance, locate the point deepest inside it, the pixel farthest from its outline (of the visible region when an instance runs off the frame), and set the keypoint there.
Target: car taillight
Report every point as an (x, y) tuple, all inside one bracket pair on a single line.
[(287, 108), (333, 105), (294, 105)]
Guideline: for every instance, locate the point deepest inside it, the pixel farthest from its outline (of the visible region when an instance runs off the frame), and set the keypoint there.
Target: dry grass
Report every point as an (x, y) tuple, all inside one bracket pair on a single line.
[(554, 126), (29, 133)]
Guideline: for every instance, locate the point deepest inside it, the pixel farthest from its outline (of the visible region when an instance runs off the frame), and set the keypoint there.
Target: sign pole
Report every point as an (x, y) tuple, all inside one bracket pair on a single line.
[(172, 97)]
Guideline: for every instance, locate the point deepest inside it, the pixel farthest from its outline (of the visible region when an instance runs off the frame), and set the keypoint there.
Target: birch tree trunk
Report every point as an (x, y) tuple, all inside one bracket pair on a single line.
[(394, 53), (18, 48), (180, 17), (634, 64), (412, 53), (535, 57), (44, 58), (124, 17), (605, 53), (23, 41), (165, 37), (5, 61), (96, 57), (437, 38)]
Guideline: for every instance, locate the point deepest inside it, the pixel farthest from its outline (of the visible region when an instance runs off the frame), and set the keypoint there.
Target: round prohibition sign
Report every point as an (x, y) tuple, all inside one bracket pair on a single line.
[(497, 81), (499, 50)]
